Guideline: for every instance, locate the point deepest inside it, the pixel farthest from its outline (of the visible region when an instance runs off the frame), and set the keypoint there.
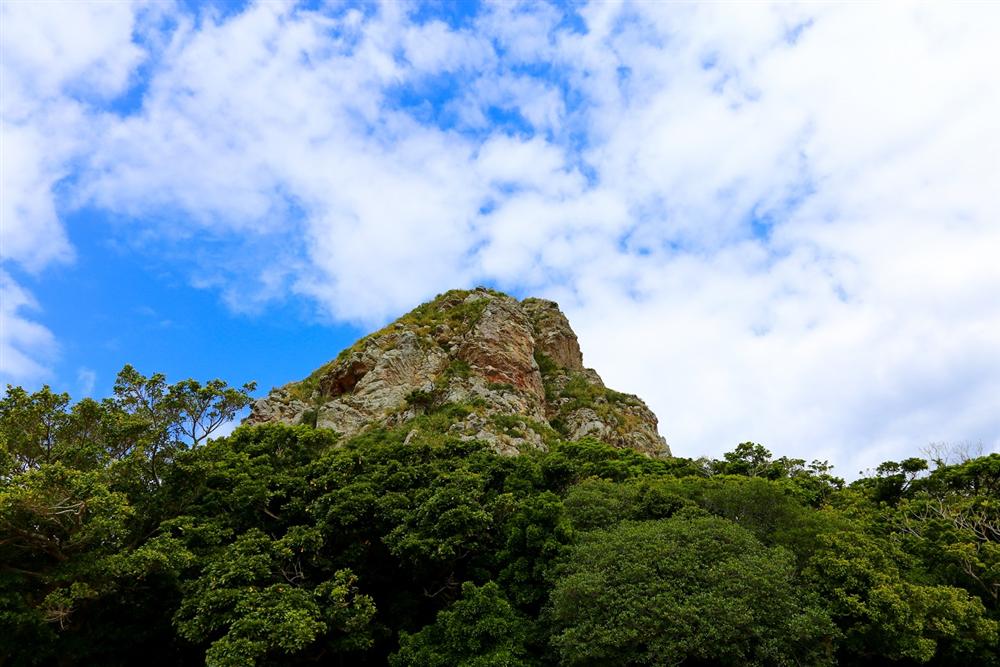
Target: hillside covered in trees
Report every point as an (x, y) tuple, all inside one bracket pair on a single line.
[(129, 536)]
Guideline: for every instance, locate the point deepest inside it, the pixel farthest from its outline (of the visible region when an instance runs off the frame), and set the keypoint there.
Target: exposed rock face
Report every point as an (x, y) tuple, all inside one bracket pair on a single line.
[(553, 335), (506, 372)]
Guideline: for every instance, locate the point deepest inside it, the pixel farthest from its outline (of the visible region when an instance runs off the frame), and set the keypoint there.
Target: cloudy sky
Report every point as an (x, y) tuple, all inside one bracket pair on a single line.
[(775, 223)]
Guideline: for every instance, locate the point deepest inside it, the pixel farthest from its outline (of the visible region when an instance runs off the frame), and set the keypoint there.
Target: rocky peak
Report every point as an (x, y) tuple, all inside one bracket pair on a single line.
[(553, 335), (496, 369)]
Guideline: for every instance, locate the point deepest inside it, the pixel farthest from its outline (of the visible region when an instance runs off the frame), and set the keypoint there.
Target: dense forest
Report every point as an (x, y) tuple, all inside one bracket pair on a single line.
[(130, 535)]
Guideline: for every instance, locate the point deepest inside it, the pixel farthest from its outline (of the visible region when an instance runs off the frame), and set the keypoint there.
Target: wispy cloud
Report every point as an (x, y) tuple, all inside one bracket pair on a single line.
[(774, 222), (86, 378), (25, 345)]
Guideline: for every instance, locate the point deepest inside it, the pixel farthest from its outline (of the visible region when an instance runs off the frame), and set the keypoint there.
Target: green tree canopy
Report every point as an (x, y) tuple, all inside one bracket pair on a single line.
[(689, 587)]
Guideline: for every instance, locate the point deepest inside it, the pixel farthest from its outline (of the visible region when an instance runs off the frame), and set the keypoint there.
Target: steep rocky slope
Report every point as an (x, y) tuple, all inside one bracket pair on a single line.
[(505, 371)]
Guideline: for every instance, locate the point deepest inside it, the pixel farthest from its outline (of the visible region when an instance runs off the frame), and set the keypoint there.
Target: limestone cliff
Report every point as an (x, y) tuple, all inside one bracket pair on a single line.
[(503, 371)]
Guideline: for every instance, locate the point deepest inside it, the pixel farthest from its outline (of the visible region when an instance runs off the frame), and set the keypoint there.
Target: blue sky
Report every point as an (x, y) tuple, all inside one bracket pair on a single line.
[(117, 303), (772, 222)]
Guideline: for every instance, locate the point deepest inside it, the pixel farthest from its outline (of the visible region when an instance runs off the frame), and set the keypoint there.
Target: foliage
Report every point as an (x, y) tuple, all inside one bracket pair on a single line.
[(882, 614), (129, 535), (481, 629), (689, 587)]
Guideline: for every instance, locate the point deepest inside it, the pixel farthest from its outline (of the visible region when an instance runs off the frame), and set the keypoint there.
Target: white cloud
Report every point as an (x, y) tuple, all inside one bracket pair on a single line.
[(773, 222), (83, 47), (25, 346), (865, 329), (31, 233), (52, 56), (434, 47)]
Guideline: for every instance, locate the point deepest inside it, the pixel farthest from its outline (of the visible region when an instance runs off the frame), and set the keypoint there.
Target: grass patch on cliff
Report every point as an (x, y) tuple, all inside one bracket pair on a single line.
[(548, 369), (511, 425), (451, 308), (516, 426), (456, 368), (545, 363), (578, 392), (585, 394), (436, 422)]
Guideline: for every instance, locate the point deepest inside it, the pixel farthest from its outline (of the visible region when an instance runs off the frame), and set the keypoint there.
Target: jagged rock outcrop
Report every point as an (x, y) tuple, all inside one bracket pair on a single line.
[(493, 368)]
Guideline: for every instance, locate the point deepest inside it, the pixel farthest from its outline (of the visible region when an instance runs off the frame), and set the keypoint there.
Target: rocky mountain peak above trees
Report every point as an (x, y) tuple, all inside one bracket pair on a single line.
[(487, 366)]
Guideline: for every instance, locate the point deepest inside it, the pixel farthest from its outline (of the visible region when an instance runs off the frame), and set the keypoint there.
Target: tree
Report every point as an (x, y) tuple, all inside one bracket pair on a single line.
[(953, 523), (174, 416), (31, 426), (883, 615), (535, 535), (692, 587), (479, 630), (749, 458), (244, 605), (79, 546)]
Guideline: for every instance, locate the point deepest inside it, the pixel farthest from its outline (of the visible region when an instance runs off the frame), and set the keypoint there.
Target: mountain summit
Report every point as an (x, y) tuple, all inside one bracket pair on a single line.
[(491, 367)]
